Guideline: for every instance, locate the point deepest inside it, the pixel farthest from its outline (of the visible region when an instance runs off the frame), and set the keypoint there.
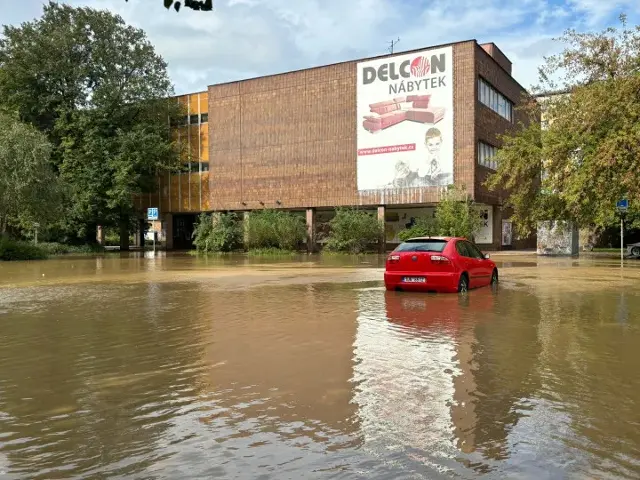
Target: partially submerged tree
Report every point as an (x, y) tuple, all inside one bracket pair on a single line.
[(586, 157), (29, 192), (101, 94)]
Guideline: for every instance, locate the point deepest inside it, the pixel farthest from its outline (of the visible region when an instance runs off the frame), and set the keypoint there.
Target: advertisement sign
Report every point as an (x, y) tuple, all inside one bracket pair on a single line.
[(507, 230), (405, 121), (485, 234)]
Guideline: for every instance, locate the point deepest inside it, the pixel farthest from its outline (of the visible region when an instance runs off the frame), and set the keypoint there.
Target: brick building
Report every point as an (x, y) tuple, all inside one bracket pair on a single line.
[(386, 134)]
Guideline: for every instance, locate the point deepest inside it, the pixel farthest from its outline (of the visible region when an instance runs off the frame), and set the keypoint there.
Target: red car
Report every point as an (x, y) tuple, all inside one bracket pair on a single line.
[(438, 264)]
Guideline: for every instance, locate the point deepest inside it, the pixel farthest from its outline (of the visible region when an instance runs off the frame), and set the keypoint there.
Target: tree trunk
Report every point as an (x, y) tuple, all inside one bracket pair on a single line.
[(124, 233)]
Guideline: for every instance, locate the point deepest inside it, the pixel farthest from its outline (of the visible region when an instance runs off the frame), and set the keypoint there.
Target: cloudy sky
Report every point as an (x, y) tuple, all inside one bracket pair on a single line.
[(247, 38)]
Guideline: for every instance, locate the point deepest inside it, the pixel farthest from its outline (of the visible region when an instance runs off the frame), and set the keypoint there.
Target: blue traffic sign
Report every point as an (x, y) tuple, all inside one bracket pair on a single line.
[(152, 213)]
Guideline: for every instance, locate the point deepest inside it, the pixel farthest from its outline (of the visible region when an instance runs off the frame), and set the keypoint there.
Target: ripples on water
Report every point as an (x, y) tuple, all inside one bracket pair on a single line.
[(189, 380)]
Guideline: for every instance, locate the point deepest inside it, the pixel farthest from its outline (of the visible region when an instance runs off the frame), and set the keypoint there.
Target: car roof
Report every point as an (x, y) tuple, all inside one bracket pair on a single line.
[(446, 239)]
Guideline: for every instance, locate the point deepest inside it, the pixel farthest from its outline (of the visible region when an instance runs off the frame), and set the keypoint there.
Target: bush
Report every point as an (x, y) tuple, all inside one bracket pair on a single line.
[(219, 233), (16, 250), (424, 227), (353, 231), (275, 229), (456, 216), (271, 252), (55, 248)]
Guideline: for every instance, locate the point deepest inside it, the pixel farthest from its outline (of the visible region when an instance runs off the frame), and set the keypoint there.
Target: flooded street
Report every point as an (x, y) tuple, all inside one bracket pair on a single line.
[(179, 367)]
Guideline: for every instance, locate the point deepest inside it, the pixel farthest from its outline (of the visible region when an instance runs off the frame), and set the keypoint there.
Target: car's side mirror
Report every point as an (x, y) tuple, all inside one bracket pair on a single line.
[(487, 256)]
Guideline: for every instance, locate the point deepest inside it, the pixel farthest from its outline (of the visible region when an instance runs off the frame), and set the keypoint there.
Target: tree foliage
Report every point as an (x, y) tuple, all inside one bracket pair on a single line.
[(221, 233), (275, 229), (353, 231), (29, 190), (98, 90), (456, 215), (204, 5), (584, 158)]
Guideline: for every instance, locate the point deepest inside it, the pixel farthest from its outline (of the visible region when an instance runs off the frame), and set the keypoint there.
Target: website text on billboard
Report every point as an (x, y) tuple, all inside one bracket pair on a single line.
[(391, 148)]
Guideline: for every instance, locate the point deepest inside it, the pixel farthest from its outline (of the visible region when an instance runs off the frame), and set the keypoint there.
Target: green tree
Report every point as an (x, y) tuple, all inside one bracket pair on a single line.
[(29, 189), (456, 216), (353, 231), (586, 157), (98, 90), (275, 229), (221, 233)]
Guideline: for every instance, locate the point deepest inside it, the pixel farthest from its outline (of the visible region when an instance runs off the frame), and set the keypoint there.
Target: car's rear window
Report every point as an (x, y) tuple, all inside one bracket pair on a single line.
[(422, 246)]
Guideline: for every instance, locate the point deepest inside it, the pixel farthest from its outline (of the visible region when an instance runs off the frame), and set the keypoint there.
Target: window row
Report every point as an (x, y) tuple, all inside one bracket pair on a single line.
[(493, 99), (195, 119), (486, 154), (195, 167)]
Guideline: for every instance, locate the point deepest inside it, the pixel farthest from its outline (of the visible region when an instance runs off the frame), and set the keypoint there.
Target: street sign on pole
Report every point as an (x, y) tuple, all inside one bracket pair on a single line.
[(622, 206), (153, 214)]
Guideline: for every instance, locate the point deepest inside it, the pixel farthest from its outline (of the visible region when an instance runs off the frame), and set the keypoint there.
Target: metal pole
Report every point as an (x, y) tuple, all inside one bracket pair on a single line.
[(622, 239), (154, 241)]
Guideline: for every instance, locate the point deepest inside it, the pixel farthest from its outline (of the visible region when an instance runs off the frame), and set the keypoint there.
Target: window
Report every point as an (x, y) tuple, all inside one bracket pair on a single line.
[(431, 245), (204, 117), (205, 166), (462, 249), (192, 167), (493, 99), (474, 251), (468, 249), (486, 154), (193, 119)]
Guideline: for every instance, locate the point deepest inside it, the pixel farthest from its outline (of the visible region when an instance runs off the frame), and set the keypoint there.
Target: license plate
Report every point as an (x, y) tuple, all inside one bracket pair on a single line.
[(414, 280)]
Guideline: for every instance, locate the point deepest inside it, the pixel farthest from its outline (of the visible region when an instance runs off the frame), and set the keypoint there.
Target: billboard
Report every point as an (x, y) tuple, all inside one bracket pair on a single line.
[(405, 121)]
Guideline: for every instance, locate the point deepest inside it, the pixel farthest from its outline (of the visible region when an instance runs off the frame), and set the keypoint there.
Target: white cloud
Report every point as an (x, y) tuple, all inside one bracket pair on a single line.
[(246, 38)]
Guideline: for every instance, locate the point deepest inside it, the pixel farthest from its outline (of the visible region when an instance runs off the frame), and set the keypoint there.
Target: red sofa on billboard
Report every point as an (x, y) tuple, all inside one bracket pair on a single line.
[(414, 108)]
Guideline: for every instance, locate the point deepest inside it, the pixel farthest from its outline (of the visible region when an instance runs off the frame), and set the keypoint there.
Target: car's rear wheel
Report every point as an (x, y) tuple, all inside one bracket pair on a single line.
[(494, 277), (463, 283), (635, 251)]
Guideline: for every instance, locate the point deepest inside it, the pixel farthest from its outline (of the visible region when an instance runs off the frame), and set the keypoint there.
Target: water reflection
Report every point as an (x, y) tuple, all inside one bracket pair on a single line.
[(290, 378)]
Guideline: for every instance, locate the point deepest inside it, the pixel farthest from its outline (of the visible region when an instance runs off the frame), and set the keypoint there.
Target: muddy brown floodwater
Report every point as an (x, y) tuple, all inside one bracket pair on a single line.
[(178, 367)]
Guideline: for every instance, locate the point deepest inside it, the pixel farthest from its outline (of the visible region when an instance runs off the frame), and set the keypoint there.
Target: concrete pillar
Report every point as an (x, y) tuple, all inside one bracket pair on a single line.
[(245, 228), (168, 227), (382, 243), (311, 230), (100, 235)]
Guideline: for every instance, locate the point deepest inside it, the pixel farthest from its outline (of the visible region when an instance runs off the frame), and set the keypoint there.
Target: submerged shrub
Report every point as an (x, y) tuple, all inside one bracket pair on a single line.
[(17, 250), (55, 248), (455, 216), (424, 227), (275, 229), (217, 233), (353, 231)]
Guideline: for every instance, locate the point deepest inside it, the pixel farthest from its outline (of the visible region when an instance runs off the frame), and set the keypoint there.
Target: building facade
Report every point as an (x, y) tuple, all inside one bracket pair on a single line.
[(386, 134)]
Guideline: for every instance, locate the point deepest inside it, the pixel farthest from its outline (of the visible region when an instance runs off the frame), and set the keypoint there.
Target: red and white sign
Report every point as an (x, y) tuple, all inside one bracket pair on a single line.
[(405, 121)]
